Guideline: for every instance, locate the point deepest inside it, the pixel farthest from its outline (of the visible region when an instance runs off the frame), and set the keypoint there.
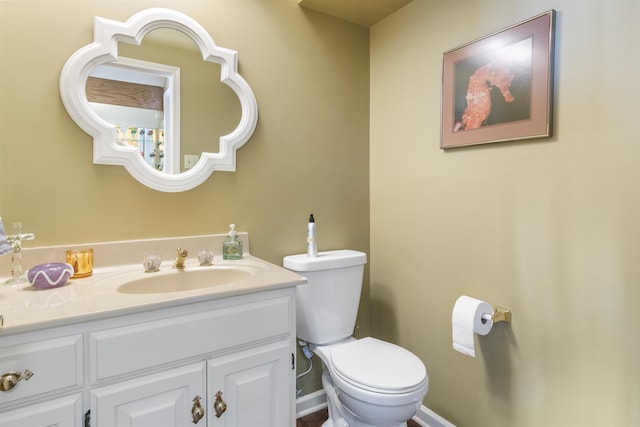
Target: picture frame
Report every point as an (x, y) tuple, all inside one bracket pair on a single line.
[(499, 87)]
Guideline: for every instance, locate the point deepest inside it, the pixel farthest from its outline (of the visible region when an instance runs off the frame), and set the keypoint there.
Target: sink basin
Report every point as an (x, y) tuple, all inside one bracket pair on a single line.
[(176, 280)]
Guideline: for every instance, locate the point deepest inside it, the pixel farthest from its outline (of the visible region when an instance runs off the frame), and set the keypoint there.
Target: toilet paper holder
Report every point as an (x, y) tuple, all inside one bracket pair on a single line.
[(499, 315)]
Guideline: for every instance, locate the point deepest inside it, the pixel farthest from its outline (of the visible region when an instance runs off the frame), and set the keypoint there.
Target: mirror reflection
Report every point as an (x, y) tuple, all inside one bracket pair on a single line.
[(164, 100)]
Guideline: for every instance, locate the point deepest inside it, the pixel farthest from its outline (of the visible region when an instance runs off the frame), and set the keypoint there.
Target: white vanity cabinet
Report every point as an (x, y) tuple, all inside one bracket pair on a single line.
[(161, 399), (63, 412), (159, 366), (38, 371), (253, 384)]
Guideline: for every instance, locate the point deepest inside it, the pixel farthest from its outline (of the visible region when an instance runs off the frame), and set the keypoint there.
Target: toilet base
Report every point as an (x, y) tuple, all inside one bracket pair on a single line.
[(330, 423), (342, 423), (340, 415)]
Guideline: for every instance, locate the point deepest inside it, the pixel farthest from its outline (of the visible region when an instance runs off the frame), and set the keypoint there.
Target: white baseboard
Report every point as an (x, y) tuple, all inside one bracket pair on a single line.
[(313, 402), (310, 403), (427, 418)]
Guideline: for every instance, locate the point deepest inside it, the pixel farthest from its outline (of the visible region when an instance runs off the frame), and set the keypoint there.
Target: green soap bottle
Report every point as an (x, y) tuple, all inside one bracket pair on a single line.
[(232, 247)]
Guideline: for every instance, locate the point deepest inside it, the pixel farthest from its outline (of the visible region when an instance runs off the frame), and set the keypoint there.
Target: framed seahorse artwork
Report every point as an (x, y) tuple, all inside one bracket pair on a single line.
[(500, 87)]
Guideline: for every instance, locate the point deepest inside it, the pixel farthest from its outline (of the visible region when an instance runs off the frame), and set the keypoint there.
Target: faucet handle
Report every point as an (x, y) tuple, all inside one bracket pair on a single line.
[(151, 263), (205, 257)]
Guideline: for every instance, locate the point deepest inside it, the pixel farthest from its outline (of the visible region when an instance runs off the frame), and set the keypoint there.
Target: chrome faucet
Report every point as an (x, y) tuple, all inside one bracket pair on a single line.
[(179, 261)]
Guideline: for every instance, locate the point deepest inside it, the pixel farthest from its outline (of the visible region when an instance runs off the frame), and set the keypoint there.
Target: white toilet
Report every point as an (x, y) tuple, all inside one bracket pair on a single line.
[(368, 382)]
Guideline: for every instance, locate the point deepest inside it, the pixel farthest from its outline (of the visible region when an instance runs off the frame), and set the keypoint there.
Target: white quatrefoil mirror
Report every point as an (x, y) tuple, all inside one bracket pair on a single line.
[(147, 91)]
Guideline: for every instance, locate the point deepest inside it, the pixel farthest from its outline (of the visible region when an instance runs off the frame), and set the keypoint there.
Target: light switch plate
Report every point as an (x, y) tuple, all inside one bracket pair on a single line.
[(190, 160)]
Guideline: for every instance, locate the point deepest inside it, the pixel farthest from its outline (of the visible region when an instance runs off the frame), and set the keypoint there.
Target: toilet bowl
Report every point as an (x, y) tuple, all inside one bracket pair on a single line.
[(371, 382), (368, 382)]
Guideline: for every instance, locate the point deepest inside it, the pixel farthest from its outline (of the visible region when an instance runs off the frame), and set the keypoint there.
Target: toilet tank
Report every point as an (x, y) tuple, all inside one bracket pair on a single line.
[(327, 305)]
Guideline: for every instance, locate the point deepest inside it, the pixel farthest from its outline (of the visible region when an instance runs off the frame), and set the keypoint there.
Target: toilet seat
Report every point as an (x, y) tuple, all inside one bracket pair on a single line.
[(371, 382), (378, 366)]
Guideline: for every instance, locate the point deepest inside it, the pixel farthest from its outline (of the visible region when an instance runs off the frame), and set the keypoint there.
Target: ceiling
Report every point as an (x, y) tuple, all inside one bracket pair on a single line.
[(361, 12)]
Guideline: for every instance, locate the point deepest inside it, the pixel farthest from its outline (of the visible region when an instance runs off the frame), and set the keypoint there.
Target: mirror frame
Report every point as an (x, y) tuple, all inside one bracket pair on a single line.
[(106, 151)]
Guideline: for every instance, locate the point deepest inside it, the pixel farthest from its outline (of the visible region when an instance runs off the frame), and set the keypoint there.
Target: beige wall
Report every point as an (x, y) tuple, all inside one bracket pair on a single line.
[(309, 153), (548, 228)]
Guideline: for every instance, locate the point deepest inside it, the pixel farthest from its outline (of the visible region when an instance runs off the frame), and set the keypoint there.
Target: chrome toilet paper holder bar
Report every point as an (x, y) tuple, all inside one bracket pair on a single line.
[(499, 315)]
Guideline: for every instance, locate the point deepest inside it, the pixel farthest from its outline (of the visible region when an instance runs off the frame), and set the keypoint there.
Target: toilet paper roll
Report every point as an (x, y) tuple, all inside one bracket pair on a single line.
[(467, 320)]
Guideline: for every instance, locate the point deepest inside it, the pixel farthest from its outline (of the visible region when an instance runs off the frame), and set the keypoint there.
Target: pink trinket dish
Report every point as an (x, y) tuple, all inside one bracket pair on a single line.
[(51, 275)]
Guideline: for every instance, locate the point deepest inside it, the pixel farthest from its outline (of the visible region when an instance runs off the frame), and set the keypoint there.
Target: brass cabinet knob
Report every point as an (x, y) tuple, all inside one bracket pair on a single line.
[(219, 405), (10, 379), (197, 411)]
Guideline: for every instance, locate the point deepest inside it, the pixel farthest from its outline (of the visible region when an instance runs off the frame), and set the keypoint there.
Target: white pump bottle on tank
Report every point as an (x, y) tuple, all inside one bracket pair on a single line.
[(312, 244)]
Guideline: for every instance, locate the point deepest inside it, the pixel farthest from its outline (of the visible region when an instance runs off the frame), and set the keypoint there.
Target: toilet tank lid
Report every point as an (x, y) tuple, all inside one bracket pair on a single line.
[(325, 260)]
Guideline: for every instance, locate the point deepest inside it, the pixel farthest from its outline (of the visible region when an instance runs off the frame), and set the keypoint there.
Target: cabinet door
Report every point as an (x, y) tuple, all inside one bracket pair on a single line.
[(63, 412), (165, 399), (257, 386)]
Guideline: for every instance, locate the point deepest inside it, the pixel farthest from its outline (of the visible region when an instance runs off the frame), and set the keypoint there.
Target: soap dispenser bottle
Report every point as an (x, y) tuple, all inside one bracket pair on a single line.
[(232, 247), (312, 244)]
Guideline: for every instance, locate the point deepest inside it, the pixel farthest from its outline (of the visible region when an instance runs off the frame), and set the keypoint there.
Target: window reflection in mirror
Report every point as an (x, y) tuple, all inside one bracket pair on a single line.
[(205, 109), (138, 98)]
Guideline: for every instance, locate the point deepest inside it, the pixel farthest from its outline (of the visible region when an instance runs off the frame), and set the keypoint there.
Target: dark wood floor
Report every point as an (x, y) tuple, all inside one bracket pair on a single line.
[(317, 418)]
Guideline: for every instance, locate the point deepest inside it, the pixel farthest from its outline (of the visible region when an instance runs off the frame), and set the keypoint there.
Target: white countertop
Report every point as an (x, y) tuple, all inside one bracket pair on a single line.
[(97, 296)]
